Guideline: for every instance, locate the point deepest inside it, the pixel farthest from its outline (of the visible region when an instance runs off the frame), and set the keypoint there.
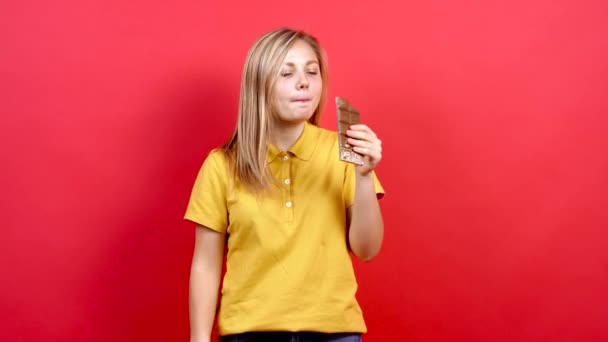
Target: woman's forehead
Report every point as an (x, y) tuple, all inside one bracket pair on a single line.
[(301, 53)]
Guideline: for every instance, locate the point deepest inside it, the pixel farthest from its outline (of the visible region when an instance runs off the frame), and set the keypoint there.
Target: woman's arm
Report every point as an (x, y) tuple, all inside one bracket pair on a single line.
[(366, 227), (205, 274)]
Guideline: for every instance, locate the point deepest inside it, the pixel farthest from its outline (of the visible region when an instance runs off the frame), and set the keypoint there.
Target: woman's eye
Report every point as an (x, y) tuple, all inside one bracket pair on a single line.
[(312, 72), (285, 74)]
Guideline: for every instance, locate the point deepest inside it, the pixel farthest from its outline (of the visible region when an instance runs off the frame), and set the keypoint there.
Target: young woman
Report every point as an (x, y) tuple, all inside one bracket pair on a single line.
[(288, 209)]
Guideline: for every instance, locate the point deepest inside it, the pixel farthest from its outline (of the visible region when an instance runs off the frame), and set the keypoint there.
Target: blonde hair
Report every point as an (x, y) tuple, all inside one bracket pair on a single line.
[(247, 149)]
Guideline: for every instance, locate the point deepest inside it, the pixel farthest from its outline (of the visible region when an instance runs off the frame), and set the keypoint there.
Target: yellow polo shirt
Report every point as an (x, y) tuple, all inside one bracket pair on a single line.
[(288, 266)]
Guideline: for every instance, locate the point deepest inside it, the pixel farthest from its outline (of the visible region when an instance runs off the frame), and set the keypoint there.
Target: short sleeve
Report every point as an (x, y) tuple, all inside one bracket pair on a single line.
[(350, 185), (207, 204)]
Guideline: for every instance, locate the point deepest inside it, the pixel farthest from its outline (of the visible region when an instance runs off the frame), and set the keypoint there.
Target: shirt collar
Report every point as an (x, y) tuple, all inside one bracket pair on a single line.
[(304, 146)]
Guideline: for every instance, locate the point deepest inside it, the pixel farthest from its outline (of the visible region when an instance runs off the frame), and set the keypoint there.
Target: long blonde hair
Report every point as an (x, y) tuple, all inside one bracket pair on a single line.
[(247, 149)]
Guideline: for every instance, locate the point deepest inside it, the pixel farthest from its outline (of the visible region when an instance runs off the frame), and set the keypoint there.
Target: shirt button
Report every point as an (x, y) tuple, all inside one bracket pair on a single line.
[(285, 157), (288, 204), (287, 181)]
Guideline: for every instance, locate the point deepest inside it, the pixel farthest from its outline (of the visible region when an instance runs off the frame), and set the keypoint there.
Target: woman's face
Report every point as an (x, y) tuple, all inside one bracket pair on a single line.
[(298, 87)]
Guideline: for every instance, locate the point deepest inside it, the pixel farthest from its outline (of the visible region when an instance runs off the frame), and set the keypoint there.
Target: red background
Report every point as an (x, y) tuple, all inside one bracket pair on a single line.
[(494, 121)]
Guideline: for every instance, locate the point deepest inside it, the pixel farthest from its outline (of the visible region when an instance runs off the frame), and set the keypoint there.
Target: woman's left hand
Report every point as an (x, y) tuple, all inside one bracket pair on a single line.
[(366, 143)]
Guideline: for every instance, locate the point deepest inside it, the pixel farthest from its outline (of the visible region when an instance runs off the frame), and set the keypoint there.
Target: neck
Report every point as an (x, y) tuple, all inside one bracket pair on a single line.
[(285, 135)]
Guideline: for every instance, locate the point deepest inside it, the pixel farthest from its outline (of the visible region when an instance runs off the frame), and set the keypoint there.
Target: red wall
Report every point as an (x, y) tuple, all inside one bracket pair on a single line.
[(494, 121)]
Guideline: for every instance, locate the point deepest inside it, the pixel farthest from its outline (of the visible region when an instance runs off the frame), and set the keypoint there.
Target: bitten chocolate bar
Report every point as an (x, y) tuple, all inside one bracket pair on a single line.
[(347, 116)]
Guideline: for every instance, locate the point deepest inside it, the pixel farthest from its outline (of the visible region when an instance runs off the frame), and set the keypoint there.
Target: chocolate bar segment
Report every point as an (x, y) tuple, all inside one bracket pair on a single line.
[(347, 116)]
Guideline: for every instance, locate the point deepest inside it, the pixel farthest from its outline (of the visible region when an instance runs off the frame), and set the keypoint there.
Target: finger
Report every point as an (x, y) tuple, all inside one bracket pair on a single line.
[(373, 153), (371, 158), (372, 145), (358, 142), (364, 144), (363, 128), (361, 150), (371, 150), (362, 135), (359, 127)]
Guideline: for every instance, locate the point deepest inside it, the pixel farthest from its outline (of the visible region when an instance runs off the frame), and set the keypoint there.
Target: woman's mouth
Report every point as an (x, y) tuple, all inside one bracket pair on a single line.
[(301, 99)]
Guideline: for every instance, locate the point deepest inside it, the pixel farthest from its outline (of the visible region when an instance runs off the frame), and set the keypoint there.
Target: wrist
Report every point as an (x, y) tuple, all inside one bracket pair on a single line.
[(200, 339), (367, 177)]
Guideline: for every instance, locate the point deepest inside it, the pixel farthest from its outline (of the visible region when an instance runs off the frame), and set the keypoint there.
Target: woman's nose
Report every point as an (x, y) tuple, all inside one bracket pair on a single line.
[(302, 81)]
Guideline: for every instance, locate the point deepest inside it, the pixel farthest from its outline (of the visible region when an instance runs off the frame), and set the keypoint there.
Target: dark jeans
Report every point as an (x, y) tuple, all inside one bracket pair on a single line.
[(291, 337)]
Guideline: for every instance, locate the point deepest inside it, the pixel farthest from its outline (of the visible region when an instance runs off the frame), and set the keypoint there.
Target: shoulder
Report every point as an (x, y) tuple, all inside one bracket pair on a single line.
[(324, 131), (326, 148), (325, 135), (220, 155), (217, 160), (217, 155)]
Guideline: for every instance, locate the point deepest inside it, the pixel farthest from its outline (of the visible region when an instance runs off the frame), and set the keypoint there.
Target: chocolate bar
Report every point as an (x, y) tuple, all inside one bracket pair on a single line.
[(347, 116)]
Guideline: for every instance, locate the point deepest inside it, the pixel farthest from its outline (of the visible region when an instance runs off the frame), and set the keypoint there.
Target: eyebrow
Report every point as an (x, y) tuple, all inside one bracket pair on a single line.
[(307, 63)]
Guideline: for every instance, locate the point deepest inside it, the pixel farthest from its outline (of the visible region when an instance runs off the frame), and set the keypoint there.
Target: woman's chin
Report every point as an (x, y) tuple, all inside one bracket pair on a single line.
[(297, 117)]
